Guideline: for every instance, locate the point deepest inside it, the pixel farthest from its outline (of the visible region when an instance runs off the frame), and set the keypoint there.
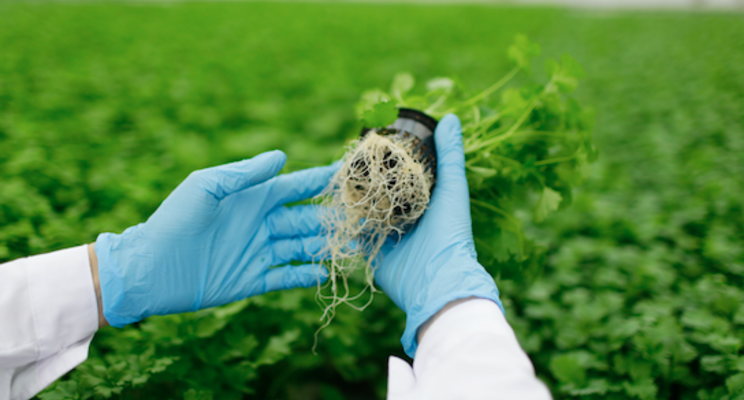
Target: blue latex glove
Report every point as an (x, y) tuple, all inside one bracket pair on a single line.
[(435, 263), (213, 240)]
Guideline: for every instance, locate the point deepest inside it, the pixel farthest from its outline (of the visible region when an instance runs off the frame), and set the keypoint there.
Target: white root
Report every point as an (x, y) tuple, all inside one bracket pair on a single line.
[(381, 189)]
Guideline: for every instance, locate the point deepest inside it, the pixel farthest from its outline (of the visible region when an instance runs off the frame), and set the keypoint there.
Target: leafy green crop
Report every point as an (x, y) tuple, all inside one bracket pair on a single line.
[(523, 145), (106, 107)]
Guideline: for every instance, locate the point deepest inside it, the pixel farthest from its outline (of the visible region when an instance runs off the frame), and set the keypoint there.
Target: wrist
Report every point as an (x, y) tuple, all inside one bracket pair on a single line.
[(425, 327), (119, 256), (467, 279), (96, 284)]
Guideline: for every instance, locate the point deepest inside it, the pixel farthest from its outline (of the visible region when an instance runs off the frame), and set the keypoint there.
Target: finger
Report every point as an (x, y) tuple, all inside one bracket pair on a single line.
[(224, 180), (451, 189), (295, 276), (448, 142), (303, 249), (288, 222), (301, 185)]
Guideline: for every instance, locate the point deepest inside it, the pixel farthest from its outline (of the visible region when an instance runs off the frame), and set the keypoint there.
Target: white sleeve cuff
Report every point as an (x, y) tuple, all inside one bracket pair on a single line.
[(65, 313), (35, 377), (468, 352), (63, 298)]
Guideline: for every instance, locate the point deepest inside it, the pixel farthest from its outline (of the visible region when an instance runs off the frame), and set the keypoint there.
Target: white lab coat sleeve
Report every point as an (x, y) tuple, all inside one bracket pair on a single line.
[(48, 315), (468, 352)]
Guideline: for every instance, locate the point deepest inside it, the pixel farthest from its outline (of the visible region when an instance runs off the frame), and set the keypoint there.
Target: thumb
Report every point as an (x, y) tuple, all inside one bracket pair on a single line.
[(451, 188), (450, 152), (224, 180)]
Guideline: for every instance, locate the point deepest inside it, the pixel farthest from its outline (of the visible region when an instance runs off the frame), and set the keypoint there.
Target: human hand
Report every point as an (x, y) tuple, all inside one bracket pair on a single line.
[(212, 241), (435, 262)]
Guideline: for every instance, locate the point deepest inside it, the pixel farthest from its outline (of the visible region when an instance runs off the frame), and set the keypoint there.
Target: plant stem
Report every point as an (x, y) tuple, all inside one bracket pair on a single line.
[(507, 159), (435, 105), (532, 133), (498, 139), (514, 222), (479, 156), (509, 133), (482, 95), (557, 159), (497, 210)]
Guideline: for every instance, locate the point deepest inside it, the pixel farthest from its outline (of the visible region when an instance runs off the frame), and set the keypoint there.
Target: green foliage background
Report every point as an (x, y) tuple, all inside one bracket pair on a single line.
[(105, 108)]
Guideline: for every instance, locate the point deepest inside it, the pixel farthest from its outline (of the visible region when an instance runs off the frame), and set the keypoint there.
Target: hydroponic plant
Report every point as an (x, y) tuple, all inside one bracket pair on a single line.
[(526, 147)]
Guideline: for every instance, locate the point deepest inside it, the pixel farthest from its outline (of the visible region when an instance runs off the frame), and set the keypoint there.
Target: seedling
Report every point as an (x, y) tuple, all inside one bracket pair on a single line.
[(524, 149), (382, 188)]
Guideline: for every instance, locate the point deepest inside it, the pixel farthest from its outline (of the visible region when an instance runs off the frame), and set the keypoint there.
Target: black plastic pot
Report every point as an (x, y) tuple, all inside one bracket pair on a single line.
[(419, 126)]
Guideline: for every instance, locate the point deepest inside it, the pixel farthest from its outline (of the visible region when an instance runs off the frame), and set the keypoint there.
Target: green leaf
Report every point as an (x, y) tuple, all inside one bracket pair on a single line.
[(566, 84), (568, 368), (229, 310), (208, 325), (739, 315), (593, 154), (369, 99), (443, 84), (67, 390), (4, 251), (571, 67), (402, 83), (522, 51), (549, 201), (718, 393), (717, 364), (140, 380), (514, 102), (552, 67), (161, 364), (724, 344), (381, 115), (106, 391), (735, 383), (482, 171), (277, 348), (639, 368), (698, 319), (684, 352), (507, 245), (644, 389), (595, 386), (566, 77), (240, 348)]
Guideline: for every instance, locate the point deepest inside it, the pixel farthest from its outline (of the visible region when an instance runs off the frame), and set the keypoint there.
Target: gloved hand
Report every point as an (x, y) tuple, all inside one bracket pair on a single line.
[(435, 262), (212, 241)]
